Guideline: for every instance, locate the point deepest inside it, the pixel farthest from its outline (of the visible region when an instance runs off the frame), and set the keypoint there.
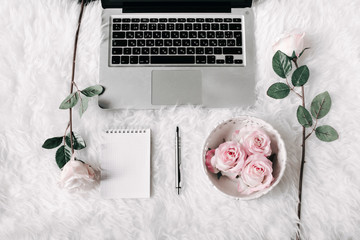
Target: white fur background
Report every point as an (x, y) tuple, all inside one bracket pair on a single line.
[(36, 45)]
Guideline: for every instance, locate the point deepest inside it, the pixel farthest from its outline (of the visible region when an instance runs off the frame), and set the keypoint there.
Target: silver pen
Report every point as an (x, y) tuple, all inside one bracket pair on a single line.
[(177, 161)]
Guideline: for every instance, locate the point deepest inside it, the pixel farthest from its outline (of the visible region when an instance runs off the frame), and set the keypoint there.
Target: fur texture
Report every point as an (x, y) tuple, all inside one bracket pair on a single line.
[(36, 45)]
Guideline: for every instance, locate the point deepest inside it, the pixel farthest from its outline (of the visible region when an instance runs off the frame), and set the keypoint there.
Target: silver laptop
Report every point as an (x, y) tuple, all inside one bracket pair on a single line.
[(164, 52)]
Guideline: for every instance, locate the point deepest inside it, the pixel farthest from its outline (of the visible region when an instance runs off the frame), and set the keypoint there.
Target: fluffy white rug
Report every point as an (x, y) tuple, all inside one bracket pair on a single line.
[(36, 44)]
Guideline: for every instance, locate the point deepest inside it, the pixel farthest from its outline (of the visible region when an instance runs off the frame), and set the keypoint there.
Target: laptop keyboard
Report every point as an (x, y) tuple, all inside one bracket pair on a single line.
[(177, 41)]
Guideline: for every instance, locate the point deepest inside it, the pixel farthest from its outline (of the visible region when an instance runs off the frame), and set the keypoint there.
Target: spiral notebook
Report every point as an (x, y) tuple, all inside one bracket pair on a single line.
[(125, 164)]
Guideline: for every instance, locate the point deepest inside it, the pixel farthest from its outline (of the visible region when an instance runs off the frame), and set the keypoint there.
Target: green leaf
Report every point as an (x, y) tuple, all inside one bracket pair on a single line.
[(78, 141), (83, 105), (93, 90), (281, 64), (300, 76), (52, 142), (304, 117), (326, 133), (70, 101), (321, 105), (278, 90), (63, 155), (303, 51)]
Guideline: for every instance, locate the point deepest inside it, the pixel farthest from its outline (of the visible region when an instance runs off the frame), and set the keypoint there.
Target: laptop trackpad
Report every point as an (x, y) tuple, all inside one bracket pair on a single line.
[(170, 87)]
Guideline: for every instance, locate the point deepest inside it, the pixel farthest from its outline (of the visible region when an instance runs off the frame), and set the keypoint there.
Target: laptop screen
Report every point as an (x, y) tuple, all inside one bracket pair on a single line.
[(122, 3)]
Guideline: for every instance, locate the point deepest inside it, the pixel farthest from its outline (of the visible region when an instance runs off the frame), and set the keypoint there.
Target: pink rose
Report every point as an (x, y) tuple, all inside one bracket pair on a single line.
[(254, 140), (76, 176), (290, 42), (210, 161), (256, 174), (230, 158)]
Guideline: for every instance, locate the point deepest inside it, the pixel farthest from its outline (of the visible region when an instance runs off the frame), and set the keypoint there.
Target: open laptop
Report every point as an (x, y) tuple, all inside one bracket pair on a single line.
[(165, 52)]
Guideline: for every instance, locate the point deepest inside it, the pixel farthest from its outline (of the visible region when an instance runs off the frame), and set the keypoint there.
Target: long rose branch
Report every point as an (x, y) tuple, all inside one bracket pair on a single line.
[(73, 73)]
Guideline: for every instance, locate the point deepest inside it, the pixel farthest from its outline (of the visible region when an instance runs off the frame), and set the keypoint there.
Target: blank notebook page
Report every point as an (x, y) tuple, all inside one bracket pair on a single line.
[(125, 164)]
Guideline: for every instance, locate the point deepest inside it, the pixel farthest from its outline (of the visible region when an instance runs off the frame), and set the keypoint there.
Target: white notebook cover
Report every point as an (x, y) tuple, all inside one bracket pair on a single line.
[(125, 164)]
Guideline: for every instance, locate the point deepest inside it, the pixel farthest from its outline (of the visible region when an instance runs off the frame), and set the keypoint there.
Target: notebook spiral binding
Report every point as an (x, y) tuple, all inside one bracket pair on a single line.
[(126, 131)]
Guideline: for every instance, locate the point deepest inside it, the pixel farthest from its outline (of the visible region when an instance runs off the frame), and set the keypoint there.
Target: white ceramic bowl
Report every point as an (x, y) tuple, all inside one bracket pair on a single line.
[(224, 130)]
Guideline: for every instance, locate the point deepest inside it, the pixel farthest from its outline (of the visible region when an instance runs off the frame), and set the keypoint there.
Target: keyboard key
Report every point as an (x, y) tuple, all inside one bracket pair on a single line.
[(139, 34), (136, 51), (190, 50), (238, 42), (237, 19), (222, 42), (200, 20), (188, 26), (125, 60), (230, 42), (126, 20), (220, 61), (210, 34), (224, 26), (227, 20), (197, 26), (192, 34), (184, 34), (145, 51), (215, 26), (144, 20), (229, 59), (238, 61), (199, 50), (132, 43), (144, 59), (159, 42), (190, 19), (209, 50), (200, 59), (115, 59), (116, 26), (152, 26), (206, 26), (154, 20), (156, 34), (126, 26), (201, 34), (116, 19), (185, 42), (134, 59), (172, 50), (135, 20), (195, 42), (209, 19), (118, 35), (232, 50), (165, 34), (170, 26), (172, 19), (172, 59), (177, 42), (179, 26), (175, 34), (143, 27), (150, 43), (163, 50), (161, 26), (234, 26), (217, 51), (117, 51), (168, 42), (181, 20), (162, 20), (154, 51), (130, 34), (211, 59), (219, 34), (218, 19), (204, 42), (237, 34), (181, 50), (228, 34), (212, 42), (121, 43), (147, 34), (127, 51)]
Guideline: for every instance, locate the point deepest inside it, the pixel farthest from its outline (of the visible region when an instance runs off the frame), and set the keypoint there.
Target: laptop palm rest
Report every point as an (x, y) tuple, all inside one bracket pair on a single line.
[(170, 87)]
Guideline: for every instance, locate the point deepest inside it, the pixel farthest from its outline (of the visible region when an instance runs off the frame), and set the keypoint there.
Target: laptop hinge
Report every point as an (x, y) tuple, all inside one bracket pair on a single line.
[(175, 7)]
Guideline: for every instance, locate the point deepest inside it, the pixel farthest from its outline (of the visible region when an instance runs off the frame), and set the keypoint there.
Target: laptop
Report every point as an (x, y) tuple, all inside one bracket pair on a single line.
[(158, 53)]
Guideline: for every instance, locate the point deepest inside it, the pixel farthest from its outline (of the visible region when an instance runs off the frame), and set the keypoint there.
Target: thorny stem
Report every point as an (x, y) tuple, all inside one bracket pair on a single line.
[(302, 159), (73, 73)]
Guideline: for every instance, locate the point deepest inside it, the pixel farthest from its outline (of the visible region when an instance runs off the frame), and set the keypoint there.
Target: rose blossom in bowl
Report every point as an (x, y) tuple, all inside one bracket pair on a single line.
[(244, 157)]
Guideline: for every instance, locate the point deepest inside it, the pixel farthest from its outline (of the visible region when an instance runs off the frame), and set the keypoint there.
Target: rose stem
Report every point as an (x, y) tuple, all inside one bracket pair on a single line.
[(302, 159), (73, 73)]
